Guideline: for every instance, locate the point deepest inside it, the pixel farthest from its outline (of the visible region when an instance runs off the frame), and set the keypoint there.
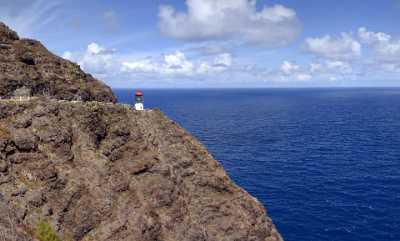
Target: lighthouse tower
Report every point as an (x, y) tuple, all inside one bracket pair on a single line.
[(139, 100)]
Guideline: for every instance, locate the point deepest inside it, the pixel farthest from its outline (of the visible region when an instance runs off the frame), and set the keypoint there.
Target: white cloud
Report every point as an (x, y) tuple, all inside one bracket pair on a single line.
[(315, 67), (289, 68), (223, 60), (234, 19), (106, 63), (68, 55), (386, 49), (96, 59), (331, 69), (171, 64), (304, 77), (220, 64), (339, 67), (372, 37), (343, 47), (144, 65), (177, 64), (290, 71), (94, 49), (315, 71), (190, 66), (339, 57)]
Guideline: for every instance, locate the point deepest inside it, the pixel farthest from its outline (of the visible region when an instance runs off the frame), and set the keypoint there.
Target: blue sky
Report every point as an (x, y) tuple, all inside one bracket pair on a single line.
[(219, 43)]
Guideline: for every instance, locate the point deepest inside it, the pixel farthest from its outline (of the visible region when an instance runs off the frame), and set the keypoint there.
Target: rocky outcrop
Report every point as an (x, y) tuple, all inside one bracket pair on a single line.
[(101, 171), (92, 170), (27, 64)]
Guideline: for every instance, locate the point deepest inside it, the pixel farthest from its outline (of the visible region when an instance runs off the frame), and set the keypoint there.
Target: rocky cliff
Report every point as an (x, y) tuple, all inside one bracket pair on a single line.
[(26, 63), (99, 171)]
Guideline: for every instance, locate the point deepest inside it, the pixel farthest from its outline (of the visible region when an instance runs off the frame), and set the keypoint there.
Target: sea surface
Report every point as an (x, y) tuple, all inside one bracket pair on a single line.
[(325, 162)]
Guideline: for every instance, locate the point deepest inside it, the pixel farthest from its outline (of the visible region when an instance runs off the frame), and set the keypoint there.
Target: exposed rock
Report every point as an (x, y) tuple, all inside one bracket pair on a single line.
[(3, 165), (101, 171), (47, 211), (23, 92), (21, 157), (24, 140), (7, 35), (28, 68), (19, 191), (10, 226), (37, 200)]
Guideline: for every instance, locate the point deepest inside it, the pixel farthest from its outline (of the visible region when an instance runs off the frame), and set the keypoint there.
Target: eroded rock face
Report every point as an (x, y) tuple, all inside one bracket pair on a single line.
[(27, 64), (104, 172)]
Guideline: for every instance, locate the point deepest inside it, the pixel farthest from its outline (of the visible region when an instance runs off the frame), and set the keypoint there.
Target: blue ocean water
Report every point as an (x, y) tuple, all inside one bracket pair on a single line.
[(325, 162)]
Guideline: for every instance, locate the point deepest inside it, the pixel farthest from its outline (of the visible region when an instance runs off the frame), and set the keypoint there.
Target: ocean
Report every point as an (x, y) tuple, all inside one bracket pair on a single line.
[(325, 162)]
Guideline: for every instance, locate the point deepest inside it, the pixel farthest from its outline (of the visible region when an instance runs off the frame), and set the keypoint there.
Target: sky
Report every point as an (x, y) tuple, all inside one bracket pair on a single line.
[(219, 43)]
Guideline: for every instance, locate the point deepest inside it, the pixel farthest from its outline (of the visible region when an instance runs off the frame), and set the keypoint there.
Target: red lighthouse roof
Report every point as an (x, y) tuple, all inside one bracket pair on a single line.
[(138, 93)]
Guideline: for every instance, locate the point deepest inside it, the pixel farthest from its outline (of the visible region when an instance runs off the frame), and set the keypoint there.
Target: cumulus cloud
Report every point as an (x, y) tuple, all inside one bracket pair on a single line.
[(324, 70), (170, 64), (290, 71), (107, 63), (220, 64), (304, 76), (343, 47), (289, 67), (331, 69), (143, 65), (380, 59), (385, 47), (339, 67), (235, 19), (223, 60), (94, 49), (96, 59), (177, 64), (372, 37), (339, 57), (315, 67)]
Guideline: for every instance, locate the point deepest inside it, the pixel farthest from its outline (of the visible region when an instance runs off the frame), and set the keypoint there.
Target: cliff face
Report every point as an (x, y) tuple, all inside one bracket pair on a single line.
[(98, 171), (27, 63)]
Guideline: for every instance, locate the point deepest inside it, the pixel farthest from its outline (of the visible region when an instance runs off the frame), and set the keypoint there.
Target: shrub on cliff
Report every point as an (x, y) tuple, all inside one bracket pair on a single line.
[(44, 232)]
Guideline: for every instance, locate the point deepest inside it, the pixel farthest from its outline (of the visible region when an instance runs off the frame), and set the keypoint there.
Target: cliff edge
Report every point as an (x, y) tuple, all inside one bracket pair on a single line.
[(99, 171)]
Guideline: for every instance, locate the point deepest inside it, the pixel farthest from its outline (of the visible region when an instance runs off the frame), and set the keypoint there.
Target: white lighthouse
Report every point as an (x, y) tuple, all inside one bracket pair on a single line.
[(139, 100)]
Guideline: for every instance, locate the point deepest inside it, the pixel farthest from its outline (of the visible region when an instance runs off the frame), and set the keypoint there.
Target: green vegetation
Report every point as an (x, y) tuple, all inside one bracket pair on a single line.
[(44, 232)]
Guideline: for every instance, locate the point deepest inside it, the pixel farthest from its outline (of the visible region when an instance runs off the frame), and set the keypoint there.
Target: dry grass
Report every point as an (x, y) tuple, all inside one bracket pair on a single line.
[(4, 132)]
